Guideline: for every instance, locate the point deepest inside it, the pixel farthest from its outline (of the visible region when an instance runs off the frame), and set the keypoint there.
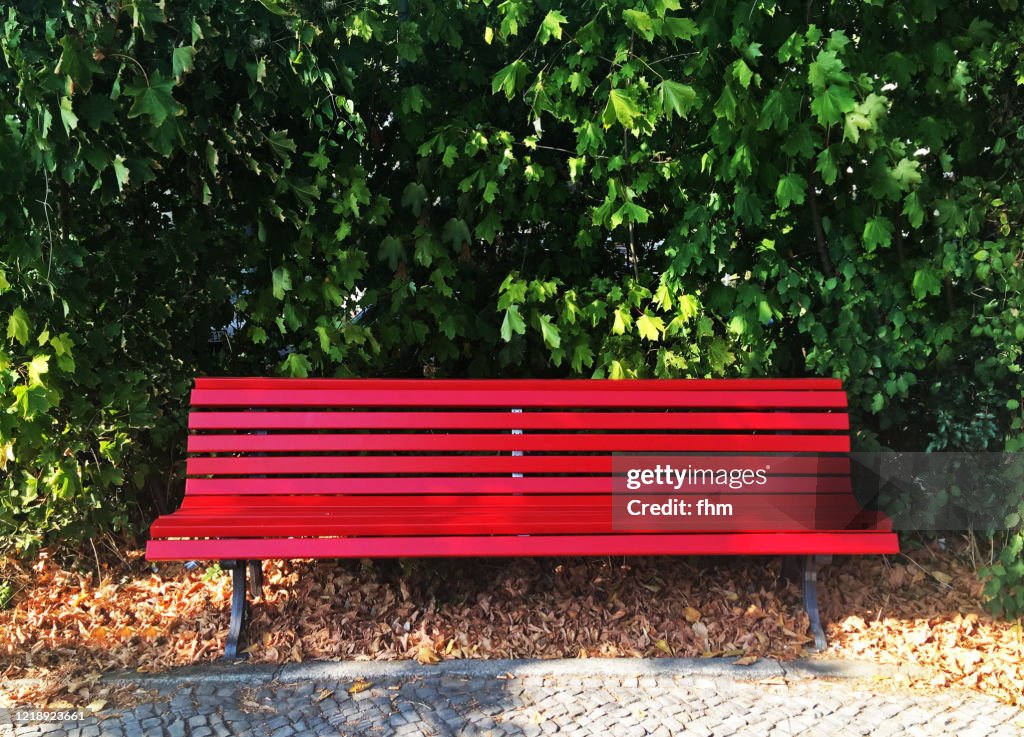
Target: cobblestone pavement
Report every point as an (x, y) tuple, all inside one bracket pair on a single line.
[(436, 703)]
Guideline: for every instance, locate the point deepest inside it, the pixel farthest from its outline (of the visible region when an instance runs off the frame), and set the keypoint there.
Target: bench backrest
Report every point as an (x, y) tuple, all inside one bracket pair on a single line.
[(499, 437)]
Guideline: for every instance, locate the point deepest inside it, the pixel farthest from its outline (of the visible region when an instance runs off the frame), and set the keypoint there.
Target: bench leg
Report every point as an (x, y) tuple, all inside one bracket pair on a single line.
[(812, 564), (256, 578), (238, 606)]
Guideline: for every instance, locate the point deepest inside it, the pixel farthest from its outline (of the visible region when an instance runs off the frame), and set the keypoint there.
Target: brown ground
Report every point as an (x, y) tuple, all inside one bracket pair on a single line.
[(923, 610)]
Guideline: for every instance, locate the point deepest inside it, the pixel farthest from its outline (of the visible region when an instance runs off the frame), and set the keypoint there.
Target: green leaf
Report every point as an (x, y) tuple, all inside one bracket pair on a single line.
[(621, 107), (792, 188), (38, 366), (67, 115), (676, 98), (620, 321), (297, 365), (212, 158), (120, 172), (153, 99), (688, 307), (720, 356), (551, 26), (281, 144), (391, 250), (830, 105), (663, 297), (182, 61), (629, 212), (640, 22), (650, 326), (413, 197), (582, 356), (926, 282), (877, 232), (513, 323), (742, 73), (913, 210), (282, 282), (258, 71), (30, 401), (906, 173), (76, 63), (456, 232), (827, 167), (826, 68), (278, 7), (509, 78), (549, 331), (680, 28), (17, 326)]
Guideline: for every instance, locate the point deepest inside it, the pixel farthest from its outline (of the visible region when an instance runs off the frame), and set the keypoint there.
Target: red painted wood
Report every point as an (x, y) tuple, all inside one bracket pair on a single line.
[(772, 520), (772, 543), (428, 420), (482, 464), (489, 485), (547, 397), (284, 505), (286, 443), (260, 382), (431, 514)]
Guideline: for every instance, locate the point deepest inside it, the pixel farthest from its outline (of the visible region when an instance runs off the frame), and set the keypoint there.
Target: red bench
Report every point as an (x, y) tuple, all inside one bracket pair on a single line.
[(360, 468)]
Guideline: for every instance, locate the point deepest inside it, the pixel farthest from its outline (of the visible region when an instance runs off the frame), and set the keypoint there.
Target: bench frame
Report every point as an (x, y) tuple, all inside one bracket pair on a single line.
[(240, 549), (247, 577)]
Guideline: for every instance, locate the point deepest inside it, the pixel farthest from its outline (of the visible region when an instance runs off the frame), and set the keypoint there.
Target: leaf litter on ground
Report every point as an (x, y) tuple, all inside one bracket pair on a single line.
[(65, 628)]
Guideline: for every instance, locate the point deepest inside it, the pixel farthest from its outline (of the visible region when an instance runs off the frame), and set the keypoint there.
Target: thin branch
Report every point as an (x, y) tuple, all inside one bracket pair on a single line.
[(134, 61), (819, 231)]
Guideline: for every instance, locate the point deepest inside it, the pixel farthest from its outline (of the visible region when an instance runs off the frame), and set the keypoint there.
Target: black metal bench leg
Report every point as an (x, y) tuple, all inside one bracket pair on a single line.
[(256, 578), (812, 564), (238, 606)]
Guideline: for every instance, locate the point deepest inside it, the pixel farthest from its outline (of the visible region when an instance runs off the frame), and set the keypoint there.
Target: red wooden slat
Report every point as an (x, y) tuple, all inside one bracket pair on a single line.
[(519, 421), (259, 382), (487, 485), (200, 502), (474, 442), (772, 543), (547, 397), (390, 465), (770, 520)]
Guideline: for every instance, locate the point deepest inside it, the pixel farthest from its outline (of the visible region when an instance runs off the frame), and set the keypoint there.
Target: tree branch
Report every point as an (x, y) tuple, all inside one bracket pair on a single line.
[(819, 232)]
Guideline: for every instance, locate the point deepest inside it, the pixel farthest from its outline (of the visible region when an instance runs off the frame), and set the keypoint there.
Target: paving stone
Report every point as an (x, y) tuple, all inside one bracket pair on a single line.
[(445, 706)]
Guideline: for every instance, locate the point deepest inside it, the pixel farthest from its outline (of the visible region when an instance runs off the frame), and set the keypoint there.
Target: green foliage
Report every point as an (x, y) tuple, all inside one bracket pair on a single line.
[(212, 573), (614, 190)]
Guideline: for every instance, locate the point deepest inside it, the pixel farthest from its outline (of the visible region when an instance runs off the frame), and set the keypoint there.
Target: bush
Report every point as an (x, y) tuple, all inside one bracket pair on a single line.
[(514, 189)]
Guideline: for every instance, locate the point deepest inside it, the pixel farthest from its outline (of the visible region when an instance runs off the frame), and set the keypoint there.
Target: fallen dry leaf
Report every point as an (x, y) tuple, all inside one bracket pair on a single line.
[(359, 686), (65, 631), (426, 655), (746, 660)]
